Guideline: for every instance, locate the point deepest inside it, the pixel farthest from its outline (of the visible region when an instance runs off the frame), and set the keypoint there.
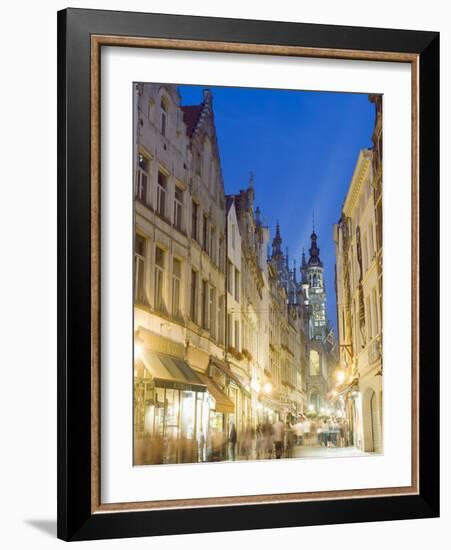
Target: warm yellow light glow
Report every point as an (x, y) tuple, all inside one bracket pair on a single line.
[(255, 385), (138, 351), (267, 388), (340, 376), (311, 408)]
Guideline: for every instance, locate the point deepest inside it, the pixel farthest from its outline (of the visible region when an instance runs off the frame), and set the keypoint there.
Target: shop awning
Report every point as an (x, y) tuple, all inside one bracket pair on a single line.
[(342, 389), (223, 403), (225, 368), (171, 372)]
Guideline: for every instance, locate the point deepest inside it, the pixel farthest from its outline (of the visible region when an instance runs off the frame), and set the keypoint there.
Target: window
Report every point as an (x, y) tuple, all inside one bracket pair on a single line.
[(159, 278), (178, 206), (205, 304), (314, 363), (229, 329), (237, 335), (213, 312), (221, 320), (161, 194), (194, 218), (221, 253), (143, 178), (140, 258), (213, 243), (176, 284), (164, 116), (229, 276), (365, 258), (369, 325), (237, 285), (205, 233), (375, 313), (370, 242), (193, 302), (233, 236)]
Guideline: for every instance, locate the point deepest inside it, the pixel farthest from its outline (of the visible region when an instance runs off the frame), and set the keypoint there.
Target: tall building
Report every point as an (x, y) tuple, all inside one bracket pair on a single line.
[(319, 333), (247, 295), (181, 379), (286, 335), (358, 243)]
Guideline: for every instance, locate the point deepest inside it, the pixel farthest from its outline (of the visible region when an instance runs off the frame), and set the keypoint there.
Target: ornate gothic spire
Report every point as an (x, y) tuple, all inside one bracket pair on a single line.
[(277, 242), (314, 251)]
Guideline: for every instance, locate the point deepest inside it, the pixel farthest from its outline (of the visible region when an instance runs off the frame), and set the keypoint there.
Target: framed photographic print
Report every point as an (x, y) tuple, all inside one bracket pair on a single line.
[(248, 274)]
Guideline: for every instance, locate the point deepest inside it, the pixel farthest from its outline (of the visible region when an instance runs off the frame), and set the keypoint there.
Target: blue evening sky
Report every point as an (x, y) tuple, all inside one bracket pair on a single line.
[(302, 148)]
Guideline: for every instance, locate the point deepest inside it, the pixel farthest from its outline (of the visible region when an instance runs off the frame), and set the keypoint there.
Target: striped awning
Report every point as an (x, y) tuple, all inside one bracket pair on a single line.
[(223, 404), (171, 372)]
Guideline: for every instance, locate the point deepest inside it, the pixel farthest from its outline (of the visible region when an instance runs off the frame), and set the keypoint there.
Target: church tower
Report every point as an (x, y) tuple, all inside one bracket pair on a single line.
[(313, 275)]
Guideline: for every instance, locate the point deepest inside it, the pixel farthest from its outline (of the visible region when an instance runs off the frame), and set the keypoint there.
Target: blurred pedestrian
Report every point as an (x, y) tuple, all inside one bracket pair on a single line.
[(232, 441), (299, 431), (290, 440), (279, 434), (319, 434), (268, 433), (201, 443), (260, 441), (307, 428)]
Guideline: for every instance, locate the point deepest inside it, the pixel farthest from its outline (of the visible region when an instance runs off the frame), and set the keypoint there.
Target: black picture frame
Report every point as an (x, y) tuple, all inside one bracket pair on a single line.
[(76, 520)]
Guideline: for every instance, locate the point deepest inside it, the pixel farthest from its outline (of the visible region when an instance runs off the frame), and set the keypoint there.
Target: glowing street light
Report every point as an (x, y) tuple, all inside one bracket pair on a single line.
[(267, 388), (340, 376), (138, 350), (311, 408)]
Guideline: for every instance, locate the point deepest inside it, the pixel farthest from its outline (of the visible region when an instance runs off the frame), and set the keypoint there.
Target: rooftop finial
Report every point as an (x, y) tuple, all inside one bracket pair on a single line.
[(251, 179), (313, 220)]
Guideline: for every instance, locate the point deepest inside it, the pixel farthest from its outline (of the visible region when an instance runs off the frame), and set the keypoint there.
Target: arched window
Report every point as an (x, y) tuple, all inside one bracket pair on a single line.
[(314, 363)]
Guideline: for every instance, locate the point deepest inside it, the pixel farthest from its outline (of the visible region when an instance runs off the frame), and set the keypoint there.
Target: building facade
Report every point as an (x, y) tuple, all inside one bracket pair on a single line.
[(181, 378), (358, 240)]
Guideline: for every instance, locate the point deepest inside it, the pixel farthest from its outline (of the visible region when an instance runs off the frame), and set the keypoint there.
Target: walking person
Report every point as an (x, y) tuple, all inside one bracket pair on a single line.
[(279, 434), (201, 443), (232, 442), (307, 428), (268, 432), (325, 433), (290, 439), (319, 434), (299, 431)]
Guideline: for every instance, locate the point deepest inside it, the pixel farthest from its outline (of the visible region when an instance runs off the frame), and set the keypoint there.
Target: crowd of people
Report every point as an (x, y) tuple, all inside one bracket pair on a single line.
[(267, 440)]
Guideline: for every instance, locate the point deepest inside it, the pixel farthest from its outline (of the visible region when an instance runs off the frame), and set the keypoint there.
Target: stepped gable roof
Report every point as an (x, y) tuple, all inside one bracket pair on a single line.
[(191, 115)]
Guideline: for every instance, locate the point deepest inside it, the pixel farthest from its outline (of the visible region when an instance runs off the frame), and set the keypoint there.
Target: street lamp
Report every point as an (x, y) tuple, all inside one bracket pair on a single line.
[(267, 388), (311, 408), (340, 376)]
